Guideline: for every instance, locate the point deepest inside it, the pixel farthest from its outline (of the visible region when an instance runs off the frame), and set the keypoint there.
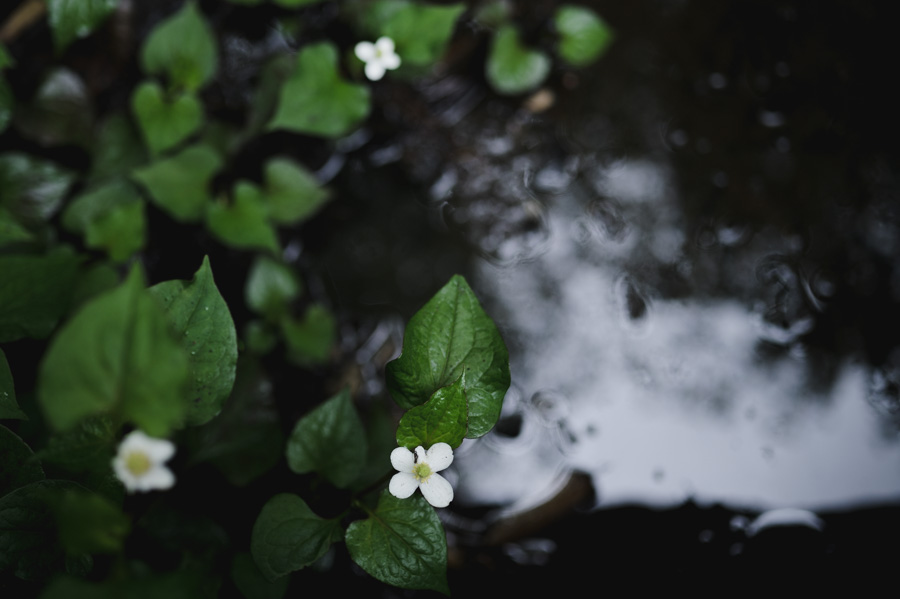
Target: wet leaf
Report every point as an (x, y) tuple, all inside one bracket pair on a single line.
[(9, 408), (271, 287), (165, 123), (110, 217), (60, 112), (18, 466), (249, 580), (28, 533), (36, 291), (180, 184), (450, 335), (288, 536), (330, 440), (183, 48), (74, 19), (292, 193), (584, 36), (32, 189), (315, 100), (309, 341), (199, 316), (244, 222), (511, 67), (420, 31), (116, 356), (442, 419), (402, 543)]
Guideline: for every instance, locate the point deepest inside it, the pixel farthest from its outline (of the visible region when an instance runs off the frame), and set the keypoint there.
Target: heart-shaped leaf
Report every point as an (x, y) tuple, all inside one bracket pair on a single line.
[(243, 223), (292, 193), (73, 19), (584, 36), (180, 184), (165, 123), (420, 31), (183, 48), (442, 419), (315, 100), (511, 67)]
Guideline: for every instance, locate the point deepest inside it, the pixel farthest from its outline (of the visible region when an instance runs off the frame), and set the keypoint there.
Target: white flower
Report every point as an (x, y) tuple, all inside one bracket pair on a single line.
[(139, 463), (419, 471), (378, 57)]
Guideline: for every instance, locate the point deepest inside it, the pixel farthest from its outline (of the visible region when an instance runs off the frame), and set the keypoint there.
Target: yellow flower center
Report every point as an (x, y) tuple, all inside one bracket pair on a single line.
[(137, 463), (422, 471)]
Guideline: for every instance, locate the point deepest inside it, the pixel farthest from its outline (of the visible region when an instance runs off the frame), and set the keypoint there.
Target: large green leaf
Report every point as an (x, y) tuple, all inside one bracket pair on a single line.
[(329, 440), (442, 419), (288, 536), (315, 100), (110, 217), (183, 48), (450, 335), (420, 31), (165, 122), (36, 291), (271, 287), (292, 193), (401, 543), (9, 409), (584, 36), (511, 67), (180, 184), (18, 466), (73, 19), (28, 533), (243, 223), (117, 355), (200, 318), (86, 447)]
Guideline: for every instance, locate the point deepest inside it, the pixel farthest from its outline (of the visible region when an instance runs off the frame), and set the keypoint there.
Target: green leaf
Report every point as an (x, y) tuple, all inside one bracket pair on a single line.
[(271, 287), (180, 184), (111, 217), (442, 419), (117, 149), (584, 36), (150, 585), (330, 440), (288, 536), (292, 193), (11, 231), (28, 533), (87, 447), (89, 523), (183, 48), (18, 466), (402, 543), (165, 122), (250, 582), (60, 112), (74, 19), (244, 223), (315, 101), (420, 31), (116, 356), (6, 60), (9, 408), (511, 67), (36, 291), (32, 189), (309, 341), (450, 335), (199, 316), (295, 3)]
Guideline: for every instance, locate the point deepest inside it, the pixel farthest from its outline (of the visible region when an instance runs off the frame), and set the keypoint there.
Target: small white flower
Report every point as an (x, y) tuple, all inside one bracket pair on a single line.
[(419, 471), (140, 462), (378, 57)]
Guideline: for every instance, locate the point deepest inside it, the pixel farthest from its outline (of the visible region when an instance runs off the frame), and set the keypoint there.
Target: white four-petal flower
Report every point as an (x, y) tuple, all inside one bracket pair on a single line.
[(419, 471), (139, 463), (378, 57)]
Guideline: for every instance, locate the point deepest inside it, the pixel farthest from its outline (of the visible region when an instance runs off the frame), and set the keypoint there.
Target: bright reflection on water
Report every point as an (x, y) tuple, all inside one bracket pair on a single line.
[(665, 400)]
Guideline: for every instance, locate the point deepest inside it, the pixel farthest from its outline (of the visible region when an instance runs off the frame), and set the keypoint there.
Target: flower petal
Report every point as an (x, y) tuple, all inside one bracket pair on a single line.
[(374, 70), (159, 450), (160, 478), (403, 484), (384, 45), (365, 51), (439, 456), (437, 490), (390, 61), (402, 459)]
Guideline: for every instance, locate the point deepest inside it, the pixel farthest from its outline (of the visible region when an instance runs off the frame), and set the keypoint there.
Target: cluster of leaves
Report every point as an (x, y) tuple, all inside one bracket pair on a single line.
[(116, 353)]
